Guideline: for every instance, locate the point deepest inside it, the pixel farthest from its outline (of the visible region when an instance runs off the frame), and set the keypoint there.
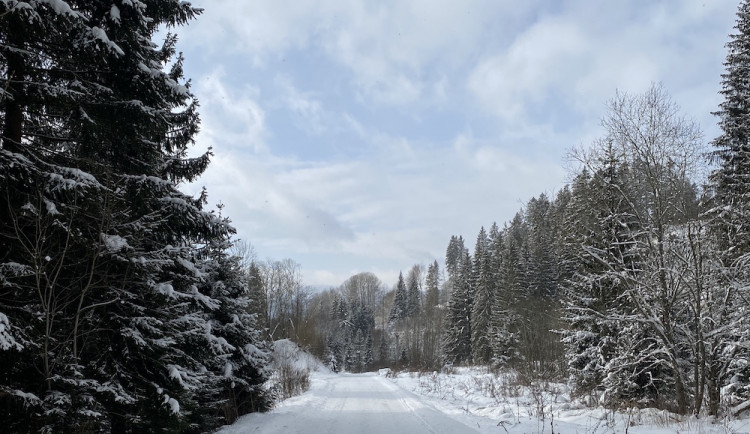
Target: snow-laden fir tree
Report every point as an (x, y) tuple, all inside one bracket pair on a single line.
[(541, 267), (362, 324), (539, 306), (457, 339), (731, 182), (414, 291), (481, 309), (599, 237), (433, 315), (99, 292), (504, 320), (515, 273), (454, 254), (731, 179), (510, 264), (239, 358), (432, 285), (400, 309), (339, 333)]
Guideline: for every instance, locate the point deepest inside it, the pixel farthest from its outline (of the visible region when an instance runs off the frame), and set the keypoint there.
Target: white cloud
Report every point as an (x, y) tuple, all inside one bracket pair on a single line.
[(305, 106), (396, 51), (254, 29), (324, 278), (537, 62), (574, 59), (266, 209), (232, 116)]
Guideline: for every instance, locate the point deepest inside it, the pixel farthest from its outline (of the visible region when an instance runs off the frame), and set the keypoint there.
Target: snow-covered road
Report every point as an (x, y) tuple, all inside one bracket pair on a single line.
[(351, 404)]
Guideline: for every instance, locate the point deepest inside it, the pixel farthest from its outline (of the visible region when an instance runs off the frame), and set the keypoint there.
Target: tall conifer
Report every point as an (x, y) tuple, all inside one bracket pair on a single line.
[(101, 285), (732, 148)]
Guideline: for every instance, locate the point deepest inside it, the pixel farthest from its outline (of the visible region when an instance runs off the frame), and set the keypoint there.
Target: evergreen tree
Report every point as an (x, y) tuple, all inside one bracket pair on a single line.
[(414, 291), (384, 355), (538, 309), (400, 307), (340, 333), (432, 283), (512, 290), (349, 356), (541, 266), (457, 341), (503, 325), (483, 289), (94, 145), (564, 251), (596, 214), (730, 216), (517, 255), (432, 334), (731, 179), (138, 328), (454, 254), (239, 357), (257, 294)]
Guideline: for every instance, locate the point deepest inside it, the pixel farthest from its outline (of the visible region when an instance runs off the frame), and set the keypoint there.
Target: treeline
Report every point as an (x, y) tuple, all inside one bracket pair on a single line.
[(360, 326), (120, 310), (633, 282)]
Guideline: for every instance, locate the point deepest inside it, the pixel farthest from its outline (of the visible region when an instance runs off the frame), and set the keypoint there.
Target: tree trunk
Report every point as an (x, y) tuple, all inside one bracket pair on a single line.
[(13, 127), (699, 378), (680, 393), (713, 388)]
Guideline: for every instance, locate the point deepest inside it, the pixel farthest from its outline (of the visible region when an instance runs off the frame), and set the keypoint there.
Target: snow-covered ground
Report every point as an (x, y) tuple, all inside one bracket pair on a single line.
[(468, 401), (499, 404)]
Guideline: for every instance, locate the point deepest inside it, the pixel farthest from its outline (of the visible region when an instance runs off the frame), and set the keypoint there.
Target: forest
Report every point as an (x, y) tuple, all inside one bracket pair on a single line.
[(631, 283), (127, 305)]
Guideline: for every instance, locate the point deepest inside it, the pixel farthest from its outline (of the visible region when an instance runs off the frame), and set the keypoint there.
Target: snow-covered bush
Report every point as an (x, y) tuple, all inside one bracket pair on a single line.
[(292, 368)]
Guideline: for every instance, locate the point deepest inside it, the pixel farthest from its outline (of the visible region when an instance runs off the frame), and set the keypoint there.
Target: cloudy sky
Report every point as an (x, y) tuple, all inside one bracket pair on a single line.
[(356, 135)]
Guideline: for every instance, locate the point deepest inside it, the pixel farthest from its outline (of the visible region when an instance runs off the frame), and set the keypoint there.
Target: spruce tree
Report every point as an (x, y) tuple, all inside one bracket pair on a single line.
[(432, 283), (104, 314), (239, 357), (454, 254), (414, 291), (457, 340), (481, 309), (504, 320), (730, 215), (731, 179), (595, 215), (433, 316), (257, 294), (541, 267), (399, 310)]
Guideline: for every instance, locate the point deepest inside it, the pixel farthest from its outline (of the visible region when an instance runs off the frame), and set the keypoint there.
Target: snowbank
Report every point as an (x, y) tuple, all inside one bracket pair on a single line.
[(288, 353)]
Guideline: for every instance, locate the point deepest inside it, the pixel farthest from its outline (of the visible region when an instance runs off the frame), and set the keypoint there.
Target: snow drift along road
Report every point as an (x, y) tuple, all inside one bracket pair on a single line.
[(348, 403)]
